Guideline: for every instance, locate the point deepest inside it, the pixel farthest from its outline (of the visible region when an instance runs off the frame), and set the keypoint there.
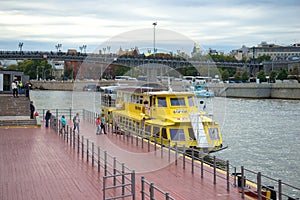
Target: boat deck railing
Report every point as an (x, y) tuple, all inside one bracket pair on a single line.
[(250, 183)]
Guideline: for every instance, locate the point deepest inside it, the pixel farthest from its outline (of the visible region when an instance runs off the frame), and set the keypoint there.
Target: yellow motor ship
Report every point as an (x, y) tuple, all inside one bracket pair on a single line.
[(169, 118)]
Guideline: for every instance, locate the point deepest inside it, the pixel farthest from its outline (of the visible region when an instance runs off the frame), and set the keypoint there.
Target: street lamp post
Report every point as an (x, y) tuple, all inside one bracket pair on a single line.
[(20, 46), (58, 46), (154, 50)]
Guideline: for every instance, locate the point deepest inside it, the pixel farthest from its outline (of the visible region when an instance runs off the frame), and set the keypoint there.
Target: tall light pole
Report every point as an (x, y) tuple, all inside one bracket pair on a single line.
[(20, 46), (154, 50), (58, 46)]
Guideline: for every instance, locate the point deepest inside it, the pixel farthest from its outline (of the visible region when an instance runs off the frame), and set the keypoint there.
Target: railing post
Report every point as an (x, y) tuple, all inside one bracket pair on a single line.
[(169, 151), (242, 183), (71, 137), (115, 170), (151, 190), (143, 187), (215, 170), (105, 163), (279, 190), (259, 185), (70, 113), (234, 177), (227, 175), (183, 157), (133, 184), (201, 169), (78, 143), (87, 150), (123, 178), (82, 147), (176, 154), (155, 142), (161, 148), (93, 154), (167, 196), (149, 144), (99, 151), (192, 160)]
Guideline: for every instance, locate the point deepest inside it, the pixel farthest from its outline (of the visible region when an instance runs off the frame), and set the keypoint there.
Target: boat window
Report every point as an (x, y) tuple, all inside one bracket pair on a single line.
[(177, 134), (213, 133), (164, 133), (162, 102), (191, 134), (147, 130), (156, 131), (177, 102), (191, 101)]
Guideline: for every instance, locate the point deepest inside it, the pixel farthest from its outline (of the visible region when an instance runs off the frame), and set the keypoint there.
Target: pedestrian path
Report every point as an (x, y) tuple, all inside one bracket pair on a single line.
[(37, 163)]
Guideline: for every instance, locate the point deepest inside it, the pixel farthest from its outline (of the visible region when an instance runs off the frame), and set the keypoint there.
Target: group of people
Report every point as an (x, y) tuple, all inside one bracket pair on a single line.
[(18, 88), (100, 121)]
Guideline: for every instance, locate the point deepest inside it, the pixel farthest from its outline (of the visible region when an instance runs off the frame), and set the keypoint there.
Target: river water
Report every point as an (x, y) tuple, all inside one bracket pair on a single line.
[(262, 135)]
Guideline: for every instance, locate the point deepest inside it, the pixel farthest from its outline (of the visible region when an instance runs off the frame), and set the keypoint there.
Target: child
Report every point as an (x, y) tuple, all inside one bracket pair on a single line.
[(63, 124), (98, 124)]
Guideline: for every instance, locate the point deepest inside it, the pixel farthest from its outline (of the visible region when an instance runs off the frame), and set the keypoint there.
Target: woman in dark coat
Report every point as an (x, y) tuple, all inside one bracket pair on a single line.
[(47, 118)]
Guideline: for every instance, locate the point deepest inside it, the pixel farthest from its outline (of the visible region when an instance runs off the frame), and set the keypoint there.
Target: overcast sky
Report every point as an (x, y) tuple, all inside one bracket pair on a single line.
[(220, 24)]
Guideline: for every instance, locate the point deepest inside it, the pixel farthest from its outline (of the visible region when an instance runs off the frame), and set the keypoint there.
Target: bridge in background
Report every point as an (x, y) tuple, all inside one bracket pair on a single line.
[(132, 61)]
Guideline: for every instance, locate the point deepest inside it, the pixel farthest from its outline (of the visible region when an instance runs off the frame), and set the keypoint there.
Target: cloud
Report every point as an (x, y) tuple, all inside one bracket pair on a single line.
[(211, 23)]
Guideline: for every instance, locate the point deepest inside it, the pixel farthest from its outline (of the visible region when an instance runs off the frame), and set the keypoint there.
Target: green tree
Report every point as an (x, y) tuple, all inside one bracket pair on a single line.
[(237, 76), (245, 76), (282, 74), (263, 58), (225, 75), (261, 76), (295, 71), (272, 76)]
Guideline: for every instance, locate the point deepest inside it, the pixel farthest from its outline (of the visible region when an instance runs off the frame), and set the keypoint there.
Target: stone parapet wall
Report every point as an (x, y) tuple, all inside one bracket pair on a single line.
[(254, 90), (248, 90)]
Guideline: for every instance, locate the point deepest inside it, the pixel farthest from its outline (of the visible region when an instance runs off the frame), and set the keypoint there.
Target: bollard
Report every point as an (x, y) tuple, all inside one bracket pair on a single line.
[(149, 144), (71, 137)]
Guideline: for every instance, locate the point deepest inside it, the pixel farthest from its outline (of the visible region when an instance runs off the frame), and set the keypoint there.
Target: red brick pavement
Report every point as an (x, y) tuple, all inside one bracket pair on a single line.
[(37, 164)]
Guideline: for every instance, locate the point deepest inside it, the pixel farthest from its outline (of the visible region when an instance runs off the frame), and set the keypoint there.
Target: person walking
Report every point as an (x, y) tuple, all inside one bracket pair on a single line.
[(14, 88), (47, 118), (98, 124), (63, 122), (32, 109), (103, 124), (76, 121)]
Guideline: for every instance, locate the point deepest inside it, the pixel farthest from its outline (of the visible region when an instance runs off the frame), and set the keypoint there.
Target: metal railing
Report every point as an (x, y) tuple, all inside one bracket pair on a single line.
[(262, 187), (154, 192), (118, 180)]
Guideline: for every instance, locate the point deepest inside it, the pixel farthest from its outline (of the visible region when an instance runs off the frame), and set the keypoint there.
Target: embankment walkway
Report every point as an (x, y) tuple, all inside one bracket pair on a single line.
[(37, 163)]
